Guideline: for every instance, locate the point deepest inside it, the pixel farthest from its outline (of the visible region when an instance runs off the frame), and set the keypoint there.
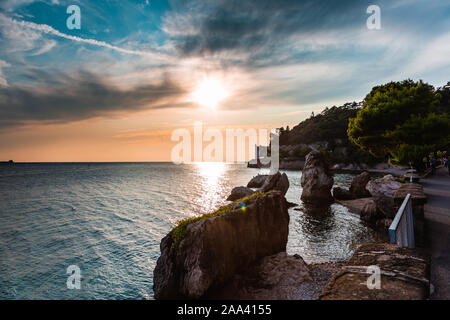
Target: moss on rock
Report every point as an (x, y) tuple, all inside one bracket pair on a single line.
[(179, 232)]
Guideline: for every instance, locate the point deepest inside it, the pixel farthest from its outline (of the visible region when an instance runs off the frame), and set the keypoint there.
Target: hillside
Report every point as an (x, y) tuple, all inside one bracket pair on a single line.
[(326, 131)]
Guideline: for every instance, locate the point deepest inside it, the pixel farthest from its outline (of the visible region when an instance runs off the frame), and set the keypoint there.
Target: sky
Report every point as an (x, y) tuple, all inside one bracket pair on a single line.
[(135, 71)]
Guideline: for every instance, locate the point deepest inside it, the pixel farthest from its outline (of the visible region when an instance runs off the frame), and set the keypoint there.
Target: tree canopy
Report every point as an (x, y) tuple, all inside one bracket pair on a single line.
[(406, 120)]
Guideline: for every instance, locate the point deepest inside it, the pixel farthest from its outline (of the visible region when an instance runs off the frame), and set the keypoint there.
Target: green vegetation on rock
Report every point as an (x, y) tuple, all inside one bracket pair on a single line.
[(180, 231)]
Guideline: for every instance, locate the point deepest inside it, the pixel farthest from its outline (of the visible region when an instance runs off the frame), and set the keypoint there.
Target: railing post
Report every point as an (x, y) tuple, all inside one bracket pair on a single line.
[(411, 240), (401, 231)]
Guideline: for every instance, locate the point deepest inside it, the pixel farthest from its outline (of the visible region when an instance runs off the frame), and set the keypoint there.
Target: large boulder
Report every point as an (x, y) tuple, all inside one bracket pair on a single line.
[(277, 181), (208, 252), (317, 180), (257, 181), (282, 184), (385, 206), (262, 183), (358, 186), (276, 277), (239, 193), (271, 182), (386, 186), (342, 194), (369, 212)]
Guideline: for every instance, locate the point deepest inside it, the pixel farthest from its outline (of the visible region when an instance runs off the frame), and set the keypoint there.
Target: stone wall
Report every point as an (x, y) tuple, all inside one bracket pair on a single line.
[(404, 275)]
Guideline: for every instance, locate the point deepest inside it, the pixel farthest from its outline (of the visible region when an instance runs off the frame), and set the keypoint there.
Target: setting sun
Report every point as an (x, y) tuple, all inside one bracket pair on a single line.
[(209, 93)]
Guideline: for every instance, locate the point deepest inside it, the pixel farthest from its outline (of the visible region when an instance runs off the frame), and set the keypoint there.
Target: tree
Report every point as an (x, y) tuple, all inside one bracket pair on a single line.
[(421, 136), (400, 119), (444, 92)]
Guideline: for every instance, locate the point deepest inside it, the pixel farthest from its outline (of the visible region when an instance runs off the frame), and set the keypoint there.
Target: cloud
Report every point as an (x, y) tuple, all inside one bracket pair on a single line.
[(10, 5), (48, 45), (432, 56), (260, 26), (3, 82), (44, 28), (65, 98)]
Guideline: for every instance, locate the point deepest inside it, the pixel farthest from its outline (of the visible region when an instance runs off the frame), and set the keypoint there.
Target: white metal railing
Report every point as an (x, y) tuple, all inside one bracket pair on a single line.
[(401, 231)]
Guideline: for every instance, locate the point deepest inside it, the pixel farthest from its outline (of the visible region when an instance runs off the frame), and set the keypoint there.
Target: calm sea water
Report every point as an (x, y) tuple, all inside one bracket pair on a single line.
[(109, 218)]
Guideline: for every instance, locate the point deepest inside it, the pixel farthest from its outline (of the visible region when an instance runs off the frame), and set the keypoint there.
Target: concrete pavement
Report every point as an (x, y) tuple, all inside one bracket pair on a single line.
[(437, 230)]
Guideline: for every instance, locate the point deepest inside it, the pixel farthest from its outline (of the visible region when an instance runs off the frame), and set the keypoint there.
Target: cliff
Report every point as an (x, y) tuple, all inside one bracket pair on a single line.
[(202, 254)]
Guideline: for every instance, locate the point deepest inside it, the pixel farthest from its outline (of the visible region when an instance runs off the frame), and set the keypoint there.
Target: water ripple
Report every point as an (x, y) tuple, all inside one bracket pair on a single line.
[(109, 219)]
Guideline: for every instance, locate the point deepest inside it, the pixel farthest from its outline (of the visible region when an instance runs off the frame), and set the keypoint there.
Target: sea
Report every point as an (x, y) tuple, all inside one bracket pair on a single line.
[(102, 223)]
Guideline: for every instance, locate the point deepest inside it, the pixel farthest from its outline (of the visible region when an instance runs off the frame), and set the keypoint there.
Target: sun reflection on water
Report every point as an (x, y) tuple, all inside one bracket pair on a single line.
[(211, 185)]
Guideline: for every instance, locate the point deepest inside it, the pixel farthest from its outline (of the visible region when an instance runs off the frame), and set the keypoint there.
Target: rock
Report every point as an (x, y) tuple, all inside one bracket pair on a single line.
[(213, 249), (282, 184), (355, 205), (271, 182), (239, 193), (369, 212), (317, 180), (404, 275), (342, 194), (277, 181), (257, 181), (377, 212), (383, 224), (385, 206), (358, 186), (278, 276), (386, 186)]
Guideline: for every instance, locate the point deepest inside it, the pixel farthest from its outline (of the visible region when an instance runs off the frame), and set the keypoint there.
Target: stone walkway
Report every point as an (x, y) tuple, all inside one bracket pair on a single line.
[(437, 230)]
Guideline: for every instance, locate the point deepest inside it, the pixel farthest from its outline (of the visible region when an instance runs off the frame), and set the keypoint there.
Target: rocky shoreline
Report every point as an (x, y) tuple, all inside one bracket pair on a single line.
[(239, 251)]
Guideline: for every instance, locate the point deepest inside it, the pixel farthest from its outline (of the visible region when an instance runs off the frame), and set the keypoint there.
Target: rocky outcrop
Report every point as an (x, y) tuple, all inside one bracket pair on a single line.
[(279, 276), (376, 212), (386, 186), (355, 205), (257, 181), (239, 193), (215, 247), (342, 194), (404, 275), (266, 183), (386, 206), (278, 181), (358, 186), (369, 212), (379, 210), (317, 180)]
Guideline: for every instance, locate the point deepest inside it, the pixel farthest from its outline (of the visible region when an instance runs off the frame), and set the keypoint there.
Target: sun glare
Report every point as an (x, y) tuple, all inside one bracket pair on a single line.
[(209, 93)]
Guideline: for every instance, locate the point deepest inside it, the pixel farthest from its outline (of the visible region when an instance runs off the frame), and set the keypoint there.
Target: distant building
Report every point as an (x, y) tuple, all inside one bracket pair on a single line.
[(261, 152)]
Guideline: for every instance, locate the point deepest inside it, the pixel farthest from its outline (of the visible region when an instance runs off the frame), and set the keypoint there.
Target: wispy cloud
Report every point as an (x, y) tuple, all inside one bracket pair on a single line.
[(45, 48), (44, 28), (3, 82)]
